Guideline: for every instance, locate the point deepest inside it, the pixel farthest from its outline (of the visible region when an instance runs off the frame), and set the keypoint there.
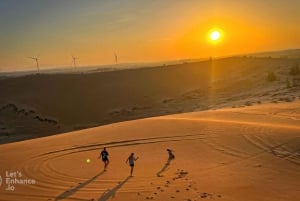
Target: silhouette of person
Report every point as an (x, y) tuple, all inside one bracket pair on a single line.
[(104, 156), (171, 155), (131, 159)]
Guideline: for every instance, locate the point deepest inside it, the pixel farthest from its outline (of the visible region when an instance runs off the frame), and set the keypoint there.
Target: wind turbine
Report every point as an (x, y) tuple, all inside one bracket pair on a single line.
[(74, 60), (116, 58), (37, 62)]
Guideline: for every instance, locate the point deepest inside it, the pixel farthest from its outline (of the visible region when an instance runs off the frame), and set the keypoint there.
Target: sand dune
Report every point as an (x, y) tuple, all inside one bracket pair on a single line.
[(245, 154), (39, 105)]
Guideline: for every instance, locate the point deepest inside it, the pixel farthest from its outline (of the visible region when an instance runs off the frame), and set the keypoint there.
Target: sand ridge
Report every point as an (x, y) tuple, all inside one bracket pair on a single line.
[(34, 106), (219, 154)]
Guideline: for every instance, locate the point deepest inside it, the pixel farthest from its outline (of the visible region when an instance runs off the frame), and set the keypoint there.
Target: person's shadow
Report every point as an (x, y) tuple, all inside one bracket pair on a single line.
[(165, 167), (75, 189), (111, 193)]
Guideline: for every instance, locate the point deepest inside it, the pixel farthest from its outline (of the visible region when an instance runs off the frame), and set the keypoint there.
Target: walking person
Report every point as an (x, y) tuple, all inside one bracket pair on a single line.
[(171, 154), (104, 156), (131, 159)]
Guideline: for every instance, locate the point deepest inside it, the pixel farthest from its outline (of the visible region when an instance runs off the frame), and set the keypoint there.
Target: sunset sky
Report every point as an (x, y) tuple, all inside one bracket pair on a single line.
[(140, 30)]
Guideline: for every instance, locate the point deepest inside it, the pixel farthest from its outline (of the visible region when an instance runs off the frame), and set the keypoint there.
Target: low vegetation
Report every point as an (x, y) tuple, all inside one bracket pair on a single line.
[(271, 76), (294, 69)]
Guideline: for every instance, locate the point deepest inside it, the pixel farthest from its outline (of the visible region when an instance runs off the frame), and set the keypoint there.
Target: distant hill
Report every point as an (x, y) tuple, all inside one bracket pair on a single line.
[(39, 105), (291, 54)]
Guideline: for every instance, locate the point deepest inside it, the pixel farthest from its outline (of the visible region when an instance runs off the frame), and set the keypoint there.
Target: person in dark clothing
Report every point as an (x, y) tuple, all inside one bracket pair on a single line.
[(171, 155), (104, 157)]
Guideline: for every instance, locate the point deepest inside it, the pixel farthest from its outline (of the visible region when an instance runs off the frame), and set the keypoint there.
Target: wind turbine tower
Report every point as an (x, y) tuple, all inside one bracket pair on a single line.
[(74, 60), (116, 58), (36, 59)]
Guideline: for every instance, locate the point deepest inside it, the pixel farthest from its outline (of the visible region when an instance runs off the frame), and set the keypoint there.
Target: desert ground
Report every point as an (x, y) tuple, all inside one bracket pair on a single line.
[(34, 105), (249, 153), (233, 124)]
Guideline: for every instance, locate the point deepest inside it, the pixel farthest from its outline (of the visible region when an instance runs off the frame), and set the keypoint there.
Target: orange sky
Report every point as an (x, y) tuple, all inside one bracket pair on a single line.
[(140, 30)]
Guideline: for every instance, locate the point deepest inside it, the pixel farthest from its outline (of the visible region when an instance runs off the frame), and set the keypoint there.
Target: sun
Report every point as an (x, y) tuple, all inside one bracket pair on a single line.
[(215, 35)]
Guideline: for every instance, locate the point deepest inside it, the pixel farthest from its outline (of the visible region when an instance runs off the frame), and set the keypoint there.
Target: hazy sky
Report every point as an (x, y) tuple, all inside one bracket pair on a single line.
[(140, 30)]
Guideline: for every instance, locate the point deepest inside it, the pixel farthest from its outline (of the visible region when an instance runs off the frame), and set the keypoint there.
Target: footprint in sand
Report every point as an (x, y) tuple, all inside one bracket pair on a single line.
[(208, 195), (180, 174), (203, 195)]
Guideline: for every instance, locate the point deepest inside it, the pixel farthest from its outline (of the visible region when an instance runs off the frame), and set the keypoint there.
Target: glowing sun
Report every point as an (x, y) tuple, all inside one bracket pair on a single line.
[(215, 35)]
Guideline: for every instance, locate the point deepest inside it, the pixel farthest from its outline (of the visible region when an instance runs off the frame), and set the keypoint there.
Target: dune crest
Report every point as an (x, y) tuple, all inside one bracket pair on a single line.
[(228, 154), (64, 102)]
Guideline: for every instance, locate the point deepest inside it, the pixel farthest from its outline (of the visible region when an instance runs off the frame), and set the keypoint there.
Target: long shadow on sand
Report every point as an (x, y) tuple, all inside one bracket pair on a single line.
[(111, 193), (165, 167), (75, 189)]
